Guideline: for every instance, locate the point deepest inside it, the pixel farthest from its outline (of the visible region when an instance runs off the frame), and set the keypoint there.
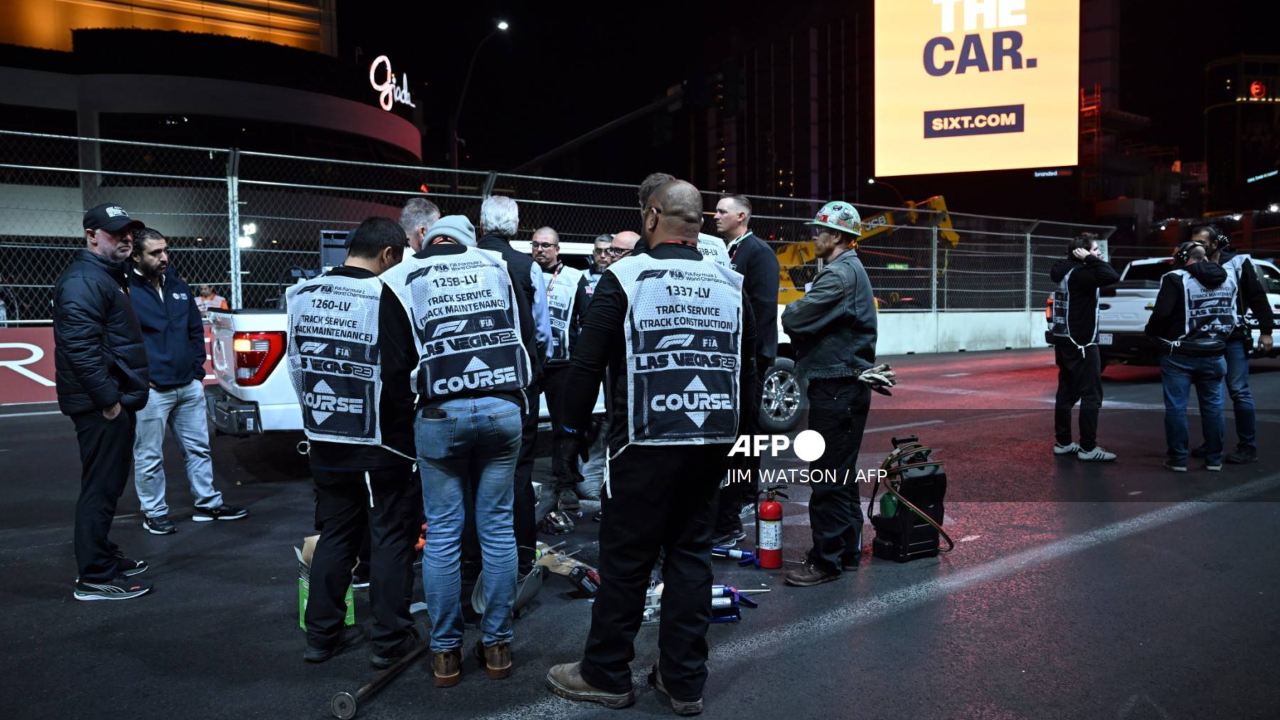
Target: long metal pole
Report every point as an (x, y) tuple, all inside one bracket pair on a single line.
[(1027, 282), (933, 270), (462, 97), (233, 224)]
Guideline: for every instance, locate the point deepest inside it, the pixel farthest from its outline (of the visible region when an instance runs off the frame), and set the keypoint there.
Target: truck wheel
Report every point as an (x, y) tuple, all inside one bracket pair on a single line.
[(783, 398)]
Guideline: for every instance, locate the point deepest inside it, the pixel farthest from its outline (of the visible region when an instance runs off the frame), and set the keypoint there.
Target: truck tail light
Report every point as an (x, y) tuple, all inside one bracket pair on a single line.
[(1048, 309), (257, 354)]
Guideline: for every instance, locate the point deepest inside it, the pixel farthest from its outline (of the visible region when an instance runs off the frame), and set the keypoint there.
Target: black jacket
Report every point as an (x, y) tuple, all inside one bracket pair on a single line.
[(1169, 318), (758, 265), (1252, 296), (397, 357), (1090, 274), (521, 269), (99, 356), (601, 346), (171, 328)]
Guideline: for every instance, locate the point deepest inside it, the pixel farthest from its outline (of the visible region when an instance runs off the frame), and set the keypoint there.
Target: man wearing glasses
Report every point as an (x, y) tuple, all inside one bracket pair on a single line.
[(566, 300), (102, 381), (623, 244)]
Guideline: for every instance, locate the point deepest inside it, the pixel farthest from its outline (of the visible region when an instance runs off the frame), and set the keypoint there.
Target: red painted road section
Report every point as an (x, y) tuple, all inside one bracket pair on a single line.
[(26, 365)]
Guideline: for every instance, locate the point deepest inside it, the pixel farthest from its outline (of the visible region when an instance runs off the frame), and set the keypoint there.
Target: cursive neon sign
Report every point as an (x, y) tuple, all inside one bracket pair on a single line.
[(388, 93)]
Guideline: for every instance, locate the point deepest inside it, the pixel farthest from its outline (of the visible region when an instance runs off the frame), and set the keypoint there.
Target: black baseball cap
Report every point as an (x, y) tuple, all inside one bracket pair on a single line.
[(111, 218)]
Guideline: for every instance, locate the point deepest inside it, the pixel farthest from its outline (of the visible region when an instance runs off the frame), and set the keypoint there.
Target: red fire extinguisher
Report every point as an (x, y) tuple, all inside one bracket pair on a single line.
[(769, 529)]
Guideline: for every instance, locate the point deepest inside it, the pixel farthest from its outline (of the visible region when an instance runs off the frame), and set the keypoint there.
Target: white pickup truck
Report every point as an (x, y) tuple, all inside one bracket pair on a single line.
[(1125, 307), (254, 394)]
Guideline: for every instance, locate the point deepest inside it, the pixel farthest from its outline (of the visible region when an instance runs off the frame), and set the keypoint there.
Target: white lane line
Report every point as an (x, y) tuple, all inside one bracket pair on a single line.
[(953, 375), (887, 428), (877, 607), (29, 414)]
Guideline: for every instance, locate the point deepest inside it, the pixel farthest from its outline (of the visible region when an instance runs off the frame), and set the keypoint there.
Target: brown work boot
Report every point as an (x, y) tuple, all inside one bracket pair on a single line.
[(566, 681), (681, 707), (495, 659), (809, 575), (447, 667)]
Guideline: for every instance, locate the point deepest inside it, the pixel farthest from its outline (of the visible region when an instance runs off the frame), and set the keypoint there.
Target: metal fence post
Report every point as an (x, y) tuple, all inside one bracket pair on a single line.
[(933, 270), (233, 224), (1028, 270)]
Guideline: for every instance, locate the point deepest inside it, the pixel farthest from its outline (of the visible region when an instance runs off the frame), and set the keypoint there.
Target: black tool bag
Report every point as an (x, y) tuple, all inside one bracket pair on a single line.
[(909, 522)]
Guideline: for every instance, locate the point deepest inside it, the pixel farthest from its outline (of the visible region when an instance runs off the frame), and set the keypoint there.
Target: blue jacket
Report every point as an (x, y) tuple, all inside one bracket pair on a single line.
[(171, 329)]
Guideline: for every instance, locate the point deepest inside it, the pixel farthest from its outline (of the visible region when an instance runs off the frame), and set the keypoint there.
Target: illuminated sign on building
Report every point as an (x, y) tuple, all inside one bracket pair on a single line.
[(388, 92), (965, 85)]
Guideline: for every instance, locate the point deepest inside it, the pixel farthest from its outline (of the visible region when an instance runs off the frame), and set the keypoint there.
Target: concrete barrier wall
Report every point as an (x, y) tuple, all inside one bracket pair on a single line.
[(926, 332)]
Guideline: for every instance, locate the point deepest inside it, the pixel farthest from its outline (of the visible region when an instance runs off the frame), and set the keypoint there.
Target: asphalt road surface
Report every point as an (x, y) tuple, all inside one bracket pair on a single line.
[(1075, 590)]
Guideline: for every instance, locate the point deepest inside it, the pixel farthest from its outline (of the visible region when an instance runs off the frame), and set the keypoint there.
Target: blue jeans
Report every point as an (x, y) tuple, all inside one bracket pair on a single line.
[(1177, 374), (1241, 395), (474, 441), (182, 410)]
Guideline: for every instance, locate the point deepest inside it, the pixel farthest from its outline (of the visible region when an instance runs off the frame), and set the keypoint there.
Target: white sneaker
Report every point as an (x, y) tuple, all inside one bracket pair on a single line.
[(1097, 454), (1067, 449)]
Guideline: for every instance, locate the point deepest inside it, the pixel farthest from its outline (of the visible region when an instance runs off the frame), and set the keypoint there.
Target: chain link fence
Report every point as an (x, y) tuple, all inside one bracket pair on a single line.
[(249, 223)]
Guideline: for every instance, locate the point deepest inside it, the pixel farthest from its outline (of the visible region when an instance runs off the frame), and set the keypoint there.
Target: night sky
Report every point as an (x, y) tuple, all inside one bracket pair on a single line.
[(566, 68)]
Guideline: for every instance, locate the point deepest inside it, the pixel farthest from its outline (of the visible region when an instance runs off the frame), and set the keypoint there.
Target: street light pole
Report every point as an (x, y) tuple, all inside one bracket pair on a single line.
[(902, 202), (502, 26)]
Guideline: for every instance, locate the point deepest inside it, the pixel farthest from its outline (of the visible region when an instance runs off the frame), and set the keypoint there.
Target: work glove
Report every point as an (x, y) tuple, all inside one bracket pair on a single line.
[(879, 378)]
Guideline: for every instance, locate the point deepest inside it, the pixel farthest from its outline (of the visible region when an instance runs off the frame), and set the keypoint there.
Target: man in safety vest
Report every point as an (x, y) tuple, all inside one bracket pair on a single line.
[(567, 296), (349, 356), (1194, 315), (1251, 296), (674, 340), (1074, 332), (472, 331)]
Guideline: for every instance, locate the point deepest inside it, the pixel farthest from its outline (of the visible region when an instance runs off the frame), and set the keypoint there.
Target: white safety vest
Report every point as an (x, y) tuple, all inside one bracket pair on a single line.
[(562, 291), (683, 347), (1061, 314), (466, 324), (1210, 313), (714, 249), (1235, 268), (333, 357)]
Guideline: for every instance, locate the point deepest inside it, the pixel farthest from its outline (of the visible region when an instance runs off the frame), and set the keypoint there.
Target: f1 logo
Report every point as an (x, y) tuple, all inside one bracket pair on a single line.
[(453, 327), (683, 340), (312, 348)]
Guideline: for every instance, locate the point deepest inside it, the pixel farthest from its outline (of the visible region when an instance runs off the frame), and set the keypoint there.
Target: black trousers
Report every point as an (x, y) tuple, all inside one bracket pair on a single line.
[(660, 502), (564, 474), (838, 410), (345, 519), (106, 458), (1079, 380)]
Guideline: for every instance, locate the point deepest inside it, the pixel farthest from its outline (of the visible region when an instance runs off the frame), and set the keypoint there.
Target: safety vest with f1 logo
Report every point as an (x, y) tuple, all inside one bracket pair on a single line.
[(683, 349), (466, 324), (333, 357)]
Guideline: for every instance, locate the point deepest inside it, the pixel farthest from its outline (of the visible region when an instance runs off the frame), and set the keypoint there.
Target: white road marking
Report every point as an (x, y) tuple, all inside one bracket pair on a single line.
[(29, 414), (887, 428), (877, 607), (961, 374)]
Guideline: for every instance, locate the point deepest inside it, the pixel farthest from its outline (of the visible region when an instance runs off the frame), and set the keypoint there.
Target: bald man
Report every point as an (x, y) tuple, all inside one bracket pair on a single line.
[(677, 338)]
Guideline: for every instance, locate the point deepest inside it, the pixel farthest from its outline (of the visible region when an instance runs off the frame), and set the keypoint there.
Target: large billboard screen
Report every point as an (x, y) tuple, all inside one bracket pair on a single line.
[(965, 85)]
